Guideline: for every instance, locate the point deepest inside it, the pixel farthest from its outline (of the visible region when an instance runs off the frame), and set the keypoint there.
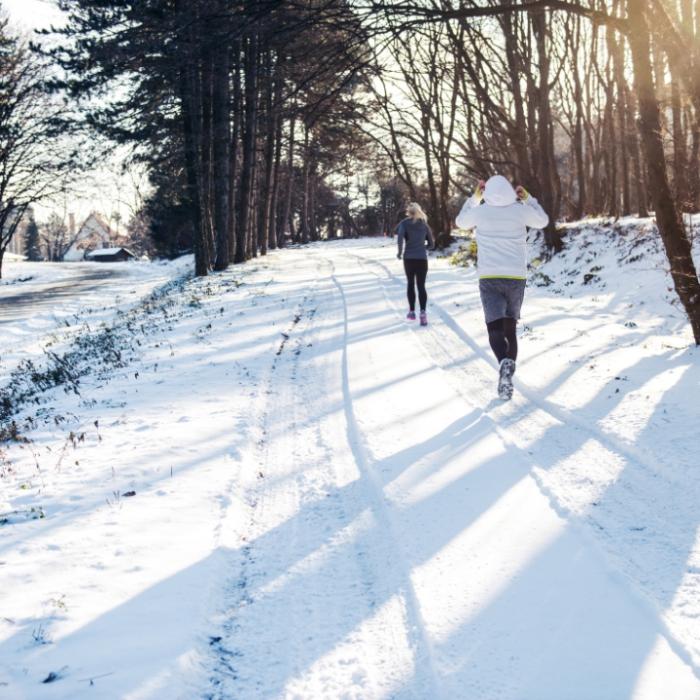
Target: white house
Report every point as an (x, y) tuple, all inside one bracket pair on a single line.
[(93, 234)]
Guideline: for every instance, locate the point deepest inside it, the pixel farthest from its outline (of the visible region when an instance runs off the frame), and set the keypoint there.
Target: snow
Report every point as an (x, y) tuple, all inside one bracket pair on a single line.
[(41, 299), (330, 503)]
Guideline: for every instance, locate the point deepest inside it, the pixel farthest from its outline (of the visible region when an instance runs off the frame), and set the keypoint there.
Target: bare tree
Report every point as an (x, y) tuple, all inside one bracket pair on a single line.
[(33, 160), (55, 238)]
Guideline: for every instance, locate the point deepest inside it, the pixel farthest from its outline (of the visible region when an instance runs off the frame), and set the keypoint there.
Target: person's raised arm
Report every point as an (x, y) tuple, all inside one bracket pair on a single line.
[(533, 214), (465, 218)]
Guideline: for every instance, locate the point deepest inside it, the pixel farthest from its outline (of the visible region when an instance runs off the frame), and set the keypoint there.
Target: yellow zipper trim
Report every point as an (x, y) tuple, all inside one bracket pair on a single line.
[(501, 277)]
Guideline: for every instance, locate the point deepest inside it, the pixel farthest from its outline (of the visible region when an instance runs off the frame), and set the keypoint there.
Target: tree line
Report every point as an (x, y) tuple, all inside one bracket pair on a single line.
[(36, 160), (250, 115), (595, 106), (243, 113)]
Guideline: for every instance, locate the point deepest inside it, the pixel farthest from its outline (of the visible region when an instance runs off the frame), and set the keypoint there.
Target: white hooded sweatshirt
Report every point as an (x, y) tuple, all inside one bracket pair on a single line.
[(501, 228)]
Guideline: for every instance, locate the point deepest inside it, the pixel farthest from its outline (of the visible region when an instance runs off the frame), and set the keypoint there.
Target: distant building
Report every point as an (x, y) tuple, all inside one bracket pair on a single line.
[(110, 255), (94, 234)]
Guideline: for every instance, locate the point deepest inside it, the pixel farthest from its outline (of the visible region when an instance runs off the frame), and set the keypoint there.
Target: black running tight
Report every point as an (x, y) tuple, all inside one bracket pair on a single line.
[(416, 272), (503, 339)]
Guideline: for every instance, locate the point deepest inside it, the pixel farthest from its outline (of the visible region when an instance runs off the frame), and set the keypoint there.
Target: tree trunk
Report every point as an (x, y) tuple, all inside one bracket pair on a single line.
[(248, 166), (222, 137), (694, 164), (234, 150), (188, 78), (274, 197), (624, 152), (432, 187), (580, 205), (519, 134), (205, 179), (287, 213), (547, 167), (616, 48), (312, 205), (679, 147), (201, 257), (268, 159), (668, 216), (306, 168)]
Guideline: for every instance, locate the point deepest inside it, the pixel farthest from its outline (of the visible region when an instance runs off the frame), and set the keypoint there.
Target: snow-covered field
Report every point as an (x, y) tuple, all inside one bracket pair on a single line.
[(265, 484)]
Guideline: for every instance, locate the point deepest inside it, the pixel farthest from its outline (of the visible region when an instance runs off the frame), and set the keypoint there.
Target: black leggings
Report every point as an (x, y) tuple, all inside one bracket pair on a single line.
[(416, 272), (502, 337)]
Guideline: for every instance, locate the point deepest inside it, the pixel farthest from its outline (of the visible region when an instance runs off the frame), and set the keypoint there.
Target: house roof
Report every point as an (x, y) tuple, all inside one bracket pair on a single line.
[(94, 218), (107, 251)]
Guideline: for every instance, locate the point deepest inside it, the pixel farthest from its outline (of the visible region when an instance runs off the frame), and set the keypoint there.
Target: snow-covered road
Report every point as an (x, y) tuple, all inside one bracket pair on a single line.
[(350, 513), (399, 543), (20, 303)]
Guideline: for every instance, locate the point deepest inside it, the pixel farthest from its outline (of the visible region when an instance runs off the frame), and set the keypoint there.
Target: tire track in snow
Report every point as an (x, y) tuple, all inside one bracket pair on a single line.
[(244, 569), (302, 596), (419, 637)]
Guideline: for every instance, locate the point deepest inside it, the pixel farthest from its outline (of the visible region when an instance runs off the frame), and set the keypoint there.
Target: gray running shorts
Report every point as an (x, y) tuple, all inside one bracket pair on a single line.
[(501, 297)]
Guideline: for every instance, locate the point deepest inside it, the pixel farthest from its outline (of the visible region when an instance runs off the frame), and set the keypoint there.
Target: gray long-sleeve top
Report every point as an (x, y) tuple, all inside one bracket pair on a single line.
[(415, 233)]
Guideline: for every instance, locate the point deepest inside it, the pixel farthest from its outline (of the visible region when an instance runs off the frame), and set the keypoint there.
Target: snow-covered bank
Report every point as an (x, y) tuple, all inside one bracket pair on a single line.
[(130, 476), (37, 299), (285, 491)]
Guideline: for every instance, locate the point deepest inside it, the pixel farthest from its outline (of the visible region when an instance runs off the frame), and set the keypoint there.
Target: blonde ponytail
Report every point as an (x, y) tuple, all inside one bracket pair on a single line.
[(415, 211)]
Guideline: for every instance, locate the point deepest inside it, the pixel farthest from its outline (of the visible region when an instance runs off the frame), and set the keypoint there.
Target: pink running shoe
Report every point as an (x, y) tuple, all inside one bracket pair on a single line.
[(423, 318), (411, 316)]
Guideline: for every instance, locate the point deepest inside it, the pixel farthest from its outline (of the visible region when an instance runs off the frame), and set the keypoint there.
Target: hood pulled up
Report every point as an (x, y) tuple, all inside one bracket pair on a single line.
[(499, 192)]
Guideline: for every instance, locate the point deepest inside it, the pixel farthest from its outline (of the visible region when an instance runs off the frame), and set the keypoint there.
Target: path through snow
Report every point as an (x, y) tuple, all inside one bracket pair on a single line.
[(331, 504), (420, 555)]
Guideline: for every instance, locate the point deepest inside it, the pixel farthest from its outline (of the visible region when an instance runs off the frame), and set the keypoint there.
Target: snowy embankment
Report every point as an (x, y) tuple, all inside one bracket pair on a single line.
[(39, 300), (265, 484)]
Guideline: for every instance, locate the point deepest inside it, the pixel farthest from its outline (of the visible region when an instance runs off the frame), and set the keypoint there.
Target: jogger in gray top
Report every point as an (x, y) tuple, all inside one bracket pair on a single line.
[(414, 232)]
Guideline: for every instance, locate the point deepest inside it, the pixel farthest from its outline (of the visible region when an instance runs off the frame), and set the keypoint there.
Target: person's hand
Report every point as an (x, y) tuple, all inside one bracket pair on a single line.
[(522, 193), (398, 255)]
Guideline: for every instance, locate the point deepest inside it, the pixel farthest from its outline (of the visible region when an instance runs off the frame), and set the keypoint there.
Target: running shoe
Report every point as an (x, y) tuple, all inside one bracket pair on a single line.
[(423, 318), (411, 316), (505, 379)]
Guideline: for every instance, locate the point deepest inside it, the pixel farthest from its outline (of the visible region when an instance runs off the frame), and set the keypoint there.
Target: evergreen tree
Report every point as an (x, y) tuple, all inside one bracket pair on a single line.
[(212, 114), (31, 240)]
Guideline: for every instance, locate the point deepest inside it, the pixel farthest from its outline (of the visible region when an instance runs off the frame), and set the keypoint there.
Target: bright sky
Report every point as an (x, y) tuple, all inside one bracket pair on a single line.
[(32, 14), (104, 191)]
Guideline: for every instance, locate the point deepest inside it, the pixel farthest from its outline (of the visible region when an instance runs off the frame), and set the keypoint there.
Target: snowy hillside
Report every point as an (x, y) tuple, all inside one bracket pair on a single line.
[(266, 484)]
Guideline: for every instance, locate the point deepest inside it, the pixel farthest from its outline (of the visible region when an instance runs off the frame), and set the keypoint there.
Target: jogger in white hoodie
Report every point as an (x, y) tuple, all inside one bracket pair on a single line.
[(501, 224)]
